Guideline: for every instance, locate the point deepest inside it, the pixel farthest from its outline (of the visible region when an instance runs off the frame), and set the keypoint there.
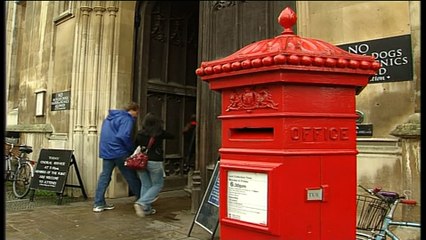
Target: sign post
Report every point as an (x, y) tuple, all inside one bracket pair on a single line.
[(207, 215), (52, 170)]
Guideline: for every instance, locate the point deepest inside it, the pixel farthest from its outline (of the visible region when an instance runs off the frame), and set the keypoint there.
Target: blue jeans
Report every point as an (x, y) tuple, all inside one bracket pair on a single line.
[(108, 166), (152, 180)]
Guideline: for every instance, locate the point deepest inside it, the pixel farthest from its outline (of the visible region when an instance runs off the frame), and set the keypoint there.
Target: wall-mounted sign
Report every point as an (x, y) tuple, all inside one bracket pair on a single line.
[(60, 101), (394, 54), (364, 129), (40, 102)]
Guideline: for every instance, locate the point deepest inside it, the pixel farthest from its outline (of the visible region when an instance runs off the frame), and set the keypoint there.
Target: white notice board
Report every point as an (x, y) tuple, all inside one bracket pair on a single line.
[(248, 197)]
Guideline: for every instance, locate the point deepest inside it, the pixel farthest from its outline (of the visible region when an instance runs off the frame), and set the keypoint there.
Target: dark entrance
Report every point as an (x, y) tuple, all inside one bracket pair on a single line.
[(166, 49)]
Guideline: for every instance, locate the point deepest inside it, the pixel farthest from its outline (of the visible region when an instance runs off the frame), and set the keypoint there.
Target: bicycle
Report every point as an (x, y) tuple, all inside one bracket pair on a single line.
[(19, 169), (375, 214)]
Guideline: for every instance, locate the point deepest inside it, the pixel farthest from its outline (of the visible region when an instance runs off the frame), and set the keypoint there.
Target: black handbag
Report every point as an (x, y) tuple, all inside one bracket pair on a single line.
[(139, 161)]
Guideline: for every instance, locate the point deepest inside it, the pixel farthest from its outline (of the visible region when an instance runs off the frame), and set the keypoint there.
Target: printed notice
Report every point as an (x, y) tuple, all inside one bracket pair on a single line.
[(214, 195), (51, 170), (60, 101), (248, 197)]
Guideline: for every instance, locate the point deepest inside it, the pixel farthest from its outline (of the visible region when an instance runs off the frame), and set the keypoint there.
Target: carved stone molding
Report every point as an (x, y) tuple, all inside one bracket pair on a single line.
[(218, 5), (112, 10), (85, 10), (99, 10)]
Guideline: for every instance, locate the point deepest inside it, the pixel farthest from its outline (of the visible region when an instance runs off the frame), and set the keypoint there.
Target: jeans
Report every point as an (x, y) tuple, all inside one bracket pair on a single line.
[(108, 166), (152, 180)]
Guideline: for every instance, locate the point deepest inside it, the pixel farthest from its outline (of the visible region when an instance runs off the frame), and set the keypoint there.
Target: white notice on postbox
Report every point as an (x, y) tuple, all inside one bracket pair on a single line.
[(248, 197)]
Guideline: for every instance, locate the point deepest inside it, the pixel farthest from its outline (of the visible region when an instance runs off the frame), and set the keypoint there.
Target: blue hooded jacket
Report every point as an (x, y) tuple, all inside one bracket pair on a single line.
[(116, 135)]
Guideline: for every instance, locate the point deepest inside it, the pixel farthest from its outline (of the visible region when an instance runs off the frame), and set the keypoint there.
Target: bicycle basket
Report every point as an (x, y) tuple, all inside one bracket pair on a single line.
[(370, 212)]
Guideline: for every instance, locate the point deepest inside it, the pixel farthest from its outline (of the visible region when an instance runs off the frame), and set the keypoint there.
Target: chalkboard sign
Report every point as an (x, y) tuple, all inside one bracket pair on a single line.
[(208, 213), (52, 170)]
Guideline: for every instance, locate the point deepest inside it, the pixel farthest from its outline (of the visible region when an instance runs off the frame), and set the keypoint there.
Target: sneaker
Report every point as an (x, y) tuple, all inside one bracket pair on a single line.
[(152, 212), (102, 208), (139, 210)]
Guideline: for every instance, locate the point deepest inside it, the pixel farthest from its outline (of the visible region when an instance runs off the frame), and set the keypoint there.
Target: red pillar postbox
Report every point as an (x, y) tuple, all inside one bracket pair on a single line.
[(288, 154)]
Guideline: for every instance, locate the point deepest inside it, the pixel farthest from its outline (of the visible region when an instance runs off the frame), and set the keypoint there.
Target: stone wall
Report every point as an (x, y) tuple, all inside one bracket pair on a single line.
[(385, 104)]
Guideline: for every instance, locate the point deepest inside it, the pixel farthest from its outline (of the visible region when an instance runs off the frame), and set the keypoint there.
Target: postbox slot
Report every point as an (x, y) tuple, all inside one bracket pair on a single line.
[(252, 133)]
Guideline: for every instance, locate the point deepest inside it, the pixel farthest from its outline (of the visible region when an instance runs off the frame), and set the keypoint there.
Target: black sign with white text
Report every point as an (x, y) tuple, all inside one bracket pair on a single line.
[(364, 129), (60, 101), (52, 170), (208, 213), (394, 55)]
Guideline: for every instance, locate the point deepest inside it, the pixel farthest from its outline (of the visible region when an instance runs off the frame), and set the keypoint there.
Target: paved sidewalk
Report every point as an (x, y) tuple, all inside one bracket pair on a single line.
[(75, 220)]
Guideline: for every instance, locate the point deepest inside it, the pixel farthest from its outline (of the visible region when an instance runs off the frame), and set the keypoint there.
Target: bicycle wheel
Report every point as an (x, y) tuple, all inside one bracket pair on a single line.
[(363, 236), (22, 180)]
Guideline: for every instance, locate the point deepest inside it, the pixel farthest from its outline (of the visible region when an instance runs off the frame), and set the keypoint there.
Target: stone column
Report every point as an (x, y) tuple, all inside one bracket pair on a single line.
[(91, 141), (82, 64), (77, 110), (409, 135), (416, 50), (118, 186), (109, 47), (98, 24), (13, 36)]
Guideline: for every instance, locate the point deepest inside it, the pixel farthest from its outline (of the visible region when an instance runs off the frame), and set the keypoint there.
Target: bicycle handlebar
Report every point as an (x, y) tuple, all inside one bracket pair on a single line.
[(388, 196), (408, 201)]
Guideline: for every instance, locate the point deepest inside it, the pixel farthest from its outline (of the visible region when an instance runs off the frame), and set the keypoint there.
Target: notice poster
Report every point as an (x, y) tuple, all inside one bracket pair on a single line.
[(248, 197), (52, 170)]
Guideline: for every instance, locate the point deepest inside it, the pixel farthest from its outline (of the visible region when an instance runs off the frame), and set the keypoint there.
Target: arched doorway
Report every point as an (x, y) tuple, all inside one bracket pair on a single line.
[(166, 50)]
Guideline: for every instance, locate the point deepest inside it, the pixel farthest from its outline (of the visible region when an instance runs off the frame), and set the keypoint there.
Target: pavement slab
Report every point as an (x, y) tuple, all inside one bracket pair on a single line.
[(74, 220)]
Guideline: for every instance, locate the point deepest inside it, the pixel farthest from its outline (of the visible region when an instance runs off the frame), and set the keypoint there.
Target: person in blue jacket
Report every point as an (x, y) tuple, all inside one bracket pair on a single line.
[(115, 145)]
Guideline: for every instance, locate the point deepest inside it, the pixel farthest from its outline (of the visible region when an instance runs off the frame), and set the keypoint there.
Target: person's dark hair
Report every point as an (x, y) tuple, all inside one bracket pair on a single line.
[(132, 106), (152, 125)]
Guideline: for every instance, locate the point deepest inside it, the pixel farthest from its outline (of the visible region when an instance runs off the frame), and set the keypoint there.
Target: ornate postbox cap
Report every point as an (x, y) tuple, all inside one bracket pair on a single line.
[(288, 51)]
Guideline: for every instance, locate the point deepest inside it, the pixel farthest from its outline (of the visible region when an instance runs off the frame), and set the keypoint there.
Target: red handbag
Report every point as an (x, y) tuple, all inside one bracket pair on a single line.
[(139, 161)]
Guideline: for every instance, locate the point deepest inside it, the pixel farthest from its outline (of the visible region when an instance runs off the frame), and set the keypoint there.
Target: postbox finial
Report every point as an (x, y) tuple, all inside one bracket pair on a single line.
[(287, 19)]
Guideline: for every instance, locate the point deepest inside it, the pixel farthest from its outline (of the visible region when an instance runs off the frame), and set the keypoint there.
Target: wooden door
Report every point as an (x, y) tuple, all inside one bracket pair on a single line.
[(166, 49)]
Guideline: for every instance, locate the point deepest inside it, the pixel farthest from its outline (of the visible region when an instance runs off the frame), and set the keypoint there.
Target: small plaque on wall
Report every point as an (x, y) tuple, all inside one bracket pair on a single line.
[(364, 129), (60, 101)]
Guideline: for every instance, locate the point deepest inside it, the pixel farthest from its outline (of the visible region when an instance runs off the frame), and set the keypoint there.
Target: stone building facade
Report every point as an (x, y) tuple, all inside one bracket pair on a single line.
[(69, 62)]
